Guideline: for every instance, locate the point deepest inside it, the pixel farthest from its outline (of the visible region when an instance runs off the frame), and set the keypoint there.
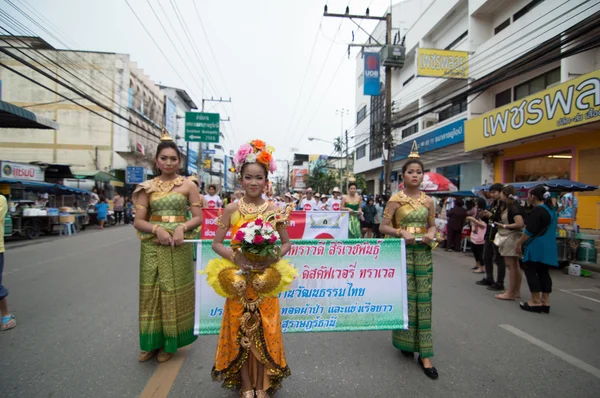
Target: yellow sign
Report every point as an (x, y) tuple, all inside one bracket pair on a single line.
[(570, 104), (442, 63), (5, 189)]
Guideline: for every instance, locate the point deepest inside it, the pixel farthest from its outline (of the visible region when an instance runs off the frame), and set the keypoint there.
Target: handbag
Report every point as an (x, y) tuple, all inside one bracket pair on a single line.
[(499, 240)]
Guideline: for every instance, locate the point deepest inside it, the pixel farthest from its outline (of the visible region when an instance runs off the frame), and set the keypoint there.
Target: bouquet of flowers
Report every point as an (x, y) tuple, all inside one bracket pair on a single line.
[(257, 240)]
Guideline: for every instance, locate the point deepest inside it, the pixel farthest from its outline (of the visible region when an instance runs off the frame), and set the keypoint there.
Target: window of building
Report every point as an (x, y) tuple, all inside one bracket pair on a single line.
[(377, 119), (361, 151), (503, 98), (502, 26), (218, 147), (537, 84), (410, 130), (544, 167), (526, 9), (459, 106), (457, 40), (410, 79), (361, 115)]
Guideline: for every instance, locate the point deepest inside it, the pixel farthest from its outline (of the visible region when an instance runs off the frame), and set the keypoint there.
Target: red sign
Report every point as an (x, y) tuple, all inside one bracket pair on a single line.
[(336, 207), (307, 207), (212, 204)]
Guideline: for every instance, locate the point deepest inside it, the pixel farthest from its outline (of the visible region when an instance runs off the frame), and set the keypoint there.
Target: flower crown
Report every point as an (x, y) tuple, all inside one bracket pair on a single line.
[(255, 151)]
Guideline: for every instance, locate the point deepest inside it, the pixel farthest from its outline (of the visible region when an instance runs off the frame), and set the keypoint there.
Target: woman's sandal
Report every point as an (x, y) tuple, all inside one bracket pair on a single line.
[(8, 322), (261, 394), (531, 308), (146, 355), (163, 356), (247, 394)]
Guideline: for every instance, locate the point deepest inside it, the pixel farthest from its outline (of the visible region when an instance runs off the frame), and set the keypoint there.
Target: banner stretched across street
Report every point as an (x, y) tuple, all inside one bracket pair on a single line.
[(342, 285)]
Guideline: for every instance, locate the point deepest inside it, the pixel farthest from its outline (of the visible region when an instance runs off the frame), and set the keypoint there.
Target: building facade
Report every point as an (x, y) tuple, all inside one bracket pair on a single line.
[(515, 49), (120, 127)]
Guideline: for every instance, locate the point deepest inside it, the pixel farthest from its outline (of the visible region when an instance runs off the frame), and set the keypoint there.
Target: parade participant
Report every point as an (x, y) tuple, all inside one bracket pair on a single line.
[(250, 354), (166, 265), (212, 199), (353, 204), (309, 203), (335, 202), (322, 205), (7, 318), (238, 195), (410, 214)]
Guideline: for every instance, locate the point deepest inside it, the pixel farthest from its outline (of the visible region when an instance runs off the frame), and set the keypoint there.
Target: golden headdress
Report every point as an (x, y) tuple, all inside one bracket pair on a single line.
[(165, 136), (414, 151)]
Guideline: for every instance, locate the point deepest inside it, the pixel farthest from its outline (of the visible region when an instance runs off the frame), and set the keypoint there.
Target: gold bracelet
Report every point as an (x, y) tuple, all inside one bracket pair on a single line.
[(197, 204), (154, 228), (233, 255), (398, 232), (184, 227), (140, 207)]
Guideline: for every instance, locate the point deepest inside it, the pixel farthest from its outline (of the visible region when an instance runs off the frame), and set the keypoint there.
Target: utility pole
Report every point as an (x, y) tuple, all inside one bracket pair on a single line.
[(388, 142), (347, 162), (201, 154), (341, 112)]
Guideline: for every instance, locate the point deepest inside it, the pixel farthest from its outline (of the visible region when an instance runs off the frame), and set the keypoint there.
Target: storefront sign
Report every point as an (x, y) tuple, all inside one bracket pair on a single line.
[(299, 177), (442, 63), (570, 104), (21, 171), (447, 135), (342, 285), (134, 175), (371, 74), (303, 225)]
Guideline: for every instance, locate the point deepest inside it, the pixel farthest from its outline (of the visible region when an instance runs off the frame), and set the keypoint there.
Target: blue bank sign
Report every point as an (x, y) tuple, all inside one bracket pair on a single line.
[(450, 134), (371, 74), (134, 175)]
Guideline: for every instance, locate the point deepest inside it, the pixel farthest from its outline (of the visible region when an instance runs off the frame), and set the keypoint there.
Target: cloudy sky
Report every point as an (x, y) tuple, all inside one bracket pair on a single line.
[(255, 51)]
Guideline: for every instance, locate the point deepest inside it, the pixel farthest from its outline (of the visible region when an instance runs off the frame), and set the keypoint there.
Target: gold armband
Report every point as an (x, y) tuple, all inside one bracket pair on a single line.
[(387, 215), (197, 204), (219, 222), (140, 207)]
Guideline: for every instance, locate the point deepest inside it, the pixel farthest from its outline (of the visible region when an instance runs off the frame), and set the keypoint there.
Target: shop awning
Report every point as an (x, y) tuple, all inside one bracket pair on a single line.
[(463, 194), (39, 186), (12, 116), (96, 176), (553, 185), (64, 188)]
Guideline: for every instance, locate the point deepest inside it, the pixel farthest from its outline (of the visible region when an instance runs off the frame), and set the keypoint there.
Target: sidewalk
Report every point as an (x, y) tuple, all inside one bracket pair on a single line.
[(16, 242)]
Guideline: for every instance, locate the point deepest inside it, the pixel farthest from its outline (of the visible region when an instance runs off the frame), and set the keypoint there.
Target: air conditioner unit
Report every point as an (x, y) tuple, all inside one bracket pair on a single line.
[(430, 121), (393, 55)]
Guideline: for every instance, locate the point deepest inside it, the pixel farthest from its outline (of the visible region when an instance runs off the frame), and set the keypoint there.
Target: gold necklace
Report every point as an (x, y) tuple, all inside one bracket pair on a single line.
[(167, 186), (251, 208), (415, 203)]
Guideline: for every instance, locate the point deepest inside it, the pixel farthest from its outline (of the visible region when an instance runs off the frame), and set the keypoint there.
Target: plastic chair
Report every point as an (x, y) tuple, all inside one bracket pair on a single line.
[(465, 239), (68, 229)]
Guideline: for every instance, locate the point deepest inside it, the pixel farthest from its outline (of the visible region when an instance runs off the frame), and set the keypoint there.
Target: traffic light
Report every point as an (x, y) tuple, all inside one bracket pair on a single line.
[(232, 169), (207, 164)]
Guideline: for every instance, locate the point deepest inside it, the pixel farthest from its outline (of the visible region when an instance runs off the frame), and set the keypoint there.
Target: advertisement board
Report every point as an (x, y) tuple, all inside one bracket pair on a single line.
[(299, 178), (372, 74), (450, 134), (21, 171), (170, 115), (442, 63)]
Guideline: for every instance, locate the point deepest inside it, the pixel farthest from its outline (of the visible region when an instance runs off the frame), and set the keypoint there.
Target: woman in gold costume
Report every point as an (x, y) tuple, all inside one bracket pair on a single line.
[(410, 214), (250, 354), (166, 265)]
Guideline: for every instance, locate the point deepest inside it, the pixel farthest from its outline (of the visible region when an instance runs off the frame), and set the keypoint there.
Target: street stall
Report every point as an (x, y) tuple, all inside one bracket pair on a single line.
[(573, 245), (36, 207)]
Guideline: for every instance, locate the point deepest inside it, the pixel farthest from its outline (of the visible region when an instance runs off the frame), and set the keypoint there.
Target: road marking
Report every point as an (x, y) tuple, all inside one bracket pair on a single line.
[(580, 295), (162, 380), (553, 350)]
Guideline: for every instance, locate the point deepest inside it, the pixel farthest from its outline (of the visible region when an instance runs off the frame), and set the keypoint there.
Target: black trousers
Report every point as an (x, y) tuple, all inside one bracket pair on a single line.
[(453, 239), (491, 254), (538, 277), (119, 216), (477, 253)]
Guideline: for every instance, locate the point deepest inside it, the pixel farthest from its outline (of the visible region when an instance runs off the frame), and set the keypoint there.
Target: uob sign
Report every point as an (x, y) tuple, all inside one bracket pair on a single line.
[(371, 74)]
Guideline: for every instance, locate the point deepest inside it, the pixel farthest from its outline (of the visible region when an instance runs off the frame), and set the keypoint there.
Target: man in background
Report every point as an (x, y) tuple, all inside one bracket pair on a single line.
[(8, 319)]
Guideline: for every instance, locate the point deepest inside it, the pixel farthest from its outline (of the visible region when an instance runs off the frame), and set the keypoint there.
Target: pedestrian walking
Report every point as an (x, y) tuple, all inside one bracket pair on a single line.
[(456, 221), (101, 211), (380, 206), (538, 247), (250, 353), (410, 214), (7, 317), (367, 225), (167, 292), (478, 233), (491, 253), (119, 207), (509, 233)]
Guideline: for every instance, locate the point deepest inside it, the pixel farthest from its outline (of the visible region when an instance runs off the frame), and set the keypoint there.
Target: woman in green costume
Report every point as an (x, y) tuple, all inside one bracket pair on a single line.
[(166, 266), (353, 204), (410, 215)]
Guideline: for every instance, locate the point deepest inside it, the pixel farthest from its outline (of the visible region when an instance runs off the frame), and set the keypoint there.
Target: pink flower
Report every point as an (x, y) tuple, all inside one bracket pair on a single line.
[(258, 239), (244, 225), (272, 239), (239, 236), (242, 154), (258, 222), (273, 165)]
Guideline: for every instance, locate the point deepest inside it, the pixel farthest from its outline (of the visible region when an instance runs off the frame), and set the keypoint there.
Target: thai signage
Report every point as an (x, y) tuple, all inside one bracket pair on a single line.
[(299, 177), (21, 171), (442, 63), (343, 285), (372, 74), (567, 105), (449, 134)]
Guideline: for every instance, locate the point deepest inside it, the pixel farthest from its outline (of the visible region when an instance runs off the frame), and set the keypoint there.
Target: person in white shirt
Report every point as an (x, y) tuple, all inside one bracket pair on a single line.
[(322, 205), (309, 203), (238, 195), (335, 203), (212, 200)]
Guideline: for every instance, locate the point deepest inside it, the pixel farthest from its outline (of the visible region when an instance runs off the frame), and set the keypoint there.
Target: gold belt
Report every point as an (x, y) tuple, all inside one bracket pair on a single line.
[(168, 218), (415, 230)]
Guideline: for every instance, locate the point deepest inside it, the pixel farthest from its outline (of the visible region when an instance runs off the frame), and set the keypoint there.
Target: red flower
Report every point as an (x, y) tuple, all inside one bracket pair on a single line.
[(272, 239), (244, 225), (258, 222), (258, 239), (239, 236)]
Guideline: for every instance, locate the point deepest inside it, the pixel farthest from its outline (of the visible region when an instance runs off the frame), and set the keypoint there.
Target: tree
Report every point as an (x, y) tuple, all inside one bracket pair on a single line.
[(322, 180)]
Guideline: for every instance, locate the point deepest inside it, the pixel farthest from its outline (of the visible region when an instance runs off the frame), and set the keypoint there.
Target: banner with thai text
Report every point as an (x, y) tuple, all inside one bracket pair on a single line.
[(303, 225), (343, 285)]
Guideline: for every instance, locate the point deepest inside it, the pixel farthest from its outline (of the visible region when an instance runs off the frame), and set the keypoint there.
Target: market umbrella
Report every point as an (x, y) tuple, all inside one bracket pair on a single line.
[(434, 182)]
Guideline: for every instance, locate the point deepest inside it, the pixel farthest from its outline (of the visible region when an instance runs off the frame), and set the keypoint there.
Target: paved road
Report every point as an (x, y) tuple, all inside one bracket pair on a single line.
[(76, 303)]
